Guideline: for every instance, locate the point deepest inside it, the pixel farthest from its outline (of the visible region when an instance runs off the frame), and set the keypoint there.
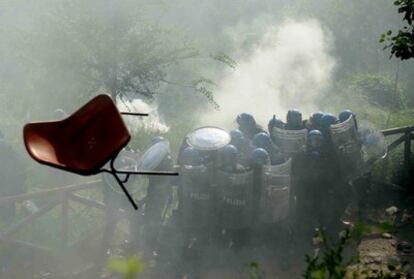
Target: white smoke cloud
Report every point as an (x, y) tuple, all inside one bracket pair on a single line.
[(151, 123), (289, 68)]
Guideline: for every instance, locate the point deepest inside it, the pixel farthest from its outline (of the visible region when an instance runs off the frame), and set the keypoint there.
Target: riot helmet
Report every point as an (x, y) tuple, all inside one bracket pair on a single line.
[(191, 157), (237, 138), (317, 117), (246, 122), (262, 140), (327, 120), (230, 154), (344, 115), (294, 118), (315, 140), (275, 122), (260, 157)]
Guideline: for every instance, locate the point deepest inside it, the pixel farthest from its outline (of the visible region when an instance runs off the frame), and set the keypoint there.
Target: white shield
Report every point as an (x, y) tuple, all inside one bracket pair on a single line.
[(208, 138)]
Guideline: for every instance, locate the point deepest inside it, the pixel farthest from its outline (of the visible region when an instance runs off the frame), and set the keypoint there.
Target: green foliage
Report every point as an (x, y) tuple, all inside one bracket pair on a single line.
[(254, 271), (380, 90), (224, 58), (332, 264), (360, 229), (402, 42), (73, 49), (111, 47), (129, 268), (201, 86)]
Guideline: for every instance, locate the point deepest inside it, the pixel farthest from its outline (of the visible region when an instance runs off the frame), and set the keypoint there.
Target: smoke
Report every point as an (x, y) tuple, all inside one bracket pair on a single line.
[(289, 68), (150, 123)]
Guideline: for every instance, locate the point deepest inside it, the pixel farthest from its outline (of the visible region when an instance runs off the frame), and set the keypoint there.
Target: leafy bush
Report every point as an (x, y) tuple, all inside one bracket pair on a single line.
[(380, 90), (333, 263), (129, 268)]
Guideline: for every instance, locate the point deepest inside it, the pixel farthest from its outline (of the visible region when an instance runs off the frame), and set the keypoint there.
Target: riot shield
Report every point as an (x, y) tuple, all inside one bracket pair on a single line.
[(290, 141), (374, 145), (345, 137), (274, 197), (195, 201), (235, 199), (347, 145), (208, 138), (154, 155)]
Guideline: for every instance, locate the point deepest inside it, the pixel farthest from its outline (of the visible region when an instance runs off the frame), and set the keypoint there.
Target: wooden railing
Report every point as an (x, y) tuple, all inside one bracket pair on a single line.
[(54, 197), (407, 135), (406, 138), (62, 196)]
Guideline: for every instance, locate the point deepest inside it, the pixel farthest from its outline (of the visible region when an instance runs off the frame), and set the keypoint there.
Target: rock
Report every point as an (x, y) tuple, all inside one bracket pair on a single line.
[(373, 258), (373, 255), (406, 217), (391, 210), (386, 236), (377, 260), (391, 267), (393, 260), (404, 247)]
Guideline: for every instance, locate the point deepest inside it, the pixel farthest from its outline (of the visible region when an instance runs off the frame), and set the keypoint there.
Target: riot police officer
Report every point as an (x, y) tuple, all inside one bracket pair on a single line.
[(235, 189), (158, 194), (315, 121), (259, 158), (294, 120), (345, 115), (262, 140), (327, 120), (195, 195), (242, 144), (230, 159), (275, 123), (319, 189), (196, 208), (247, 125)]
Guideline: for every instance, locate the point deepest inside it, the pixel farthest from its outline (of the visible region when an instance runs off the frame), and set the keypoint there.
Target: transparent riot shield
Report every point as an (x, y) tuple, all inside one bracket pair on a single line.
[(154, 155), (290, 141), (235, 199), (347, 145), (274, 196), (374, 145), (195, 200)]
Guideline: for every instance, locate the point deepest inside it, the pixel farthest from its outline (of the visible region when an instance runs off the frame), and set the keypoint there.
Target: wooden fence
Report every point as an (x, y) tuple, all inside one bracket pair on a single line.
[(406, 136), (61, 197)]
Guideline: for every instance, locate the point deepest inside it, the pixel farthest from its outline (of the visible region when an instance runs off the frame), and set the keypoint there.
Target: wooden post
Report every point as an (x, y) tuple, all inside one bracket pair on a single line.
[(407, 148), (407, 156)]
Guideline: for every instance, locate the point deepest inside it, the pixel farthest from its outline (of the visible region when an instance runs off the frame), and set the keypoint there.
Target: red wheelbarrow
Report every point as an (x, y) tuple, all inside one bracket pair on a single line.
[(85, 141)]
